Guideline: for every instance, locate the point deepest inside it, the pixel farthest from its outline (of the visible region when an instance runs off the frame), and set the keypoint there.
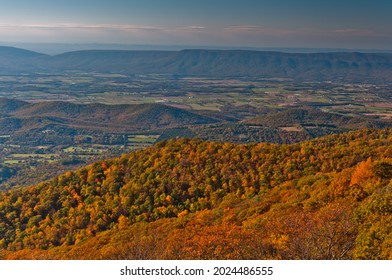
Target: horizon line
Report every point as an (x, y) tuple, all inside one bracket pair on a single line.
[(52, 48)]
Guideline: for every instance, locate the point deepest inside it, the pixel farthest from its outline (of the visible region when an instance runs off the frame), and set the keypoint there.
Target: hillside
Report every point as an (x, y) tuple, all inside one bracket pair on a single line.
[(10, 105), (29, 120), (15, 60), (132, 62), (328, 198), (313, 119), (101, 117), (348, 67), (127, 117), (285, 127)]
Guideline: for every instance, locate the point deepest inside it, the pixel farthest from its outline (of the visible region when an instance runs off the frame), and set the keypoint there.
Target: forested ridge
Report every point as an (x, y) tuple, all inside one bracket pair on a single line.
[(348, 66), (328, 198)]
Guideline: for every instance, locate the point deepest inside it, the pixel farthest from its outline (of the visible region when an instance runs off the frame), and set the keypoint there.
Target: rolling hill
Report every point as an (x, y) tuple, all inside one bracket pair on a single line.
[(93, 117), (286, 126), (59, 136), (10, 105), (310, 117)]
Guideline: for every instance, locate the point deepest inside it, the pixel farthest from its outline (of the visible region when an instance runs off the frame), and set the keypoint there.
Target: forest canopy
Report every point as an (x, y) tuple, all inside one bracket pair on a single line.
[(328, 198)]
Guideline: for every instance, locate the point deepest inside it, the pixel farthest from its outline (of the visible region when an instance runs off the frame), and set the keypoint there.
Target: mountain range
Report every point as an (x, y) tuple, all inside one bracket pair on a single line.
[(355, 67)]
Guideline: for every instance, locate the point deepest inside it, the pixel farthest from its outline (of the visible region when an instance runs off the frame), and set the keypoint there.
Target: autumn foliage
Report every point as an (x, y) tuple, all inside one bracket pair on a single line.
[(329, 198)]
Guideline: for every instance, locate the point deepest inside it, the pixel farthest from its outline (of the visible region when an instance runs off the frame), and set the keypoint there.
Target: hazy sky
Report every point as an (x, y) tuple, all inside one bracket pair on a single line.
[(253, 23)]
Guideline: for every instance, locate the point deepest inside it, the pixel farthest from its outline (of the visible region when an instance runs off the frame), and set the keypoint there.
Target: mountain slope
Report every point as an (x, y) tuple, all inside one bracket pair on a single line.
[(107, 117), (10, 54), (349, 67), (243, 201), (135, 62), (319, 66), (219, 63), (15, 60), (10, 105)]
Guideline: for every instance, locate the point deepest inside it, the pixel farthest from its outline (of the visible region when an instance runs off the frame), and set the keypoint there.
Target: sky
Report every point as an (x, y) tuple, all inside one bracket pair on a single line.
[(349, 24)]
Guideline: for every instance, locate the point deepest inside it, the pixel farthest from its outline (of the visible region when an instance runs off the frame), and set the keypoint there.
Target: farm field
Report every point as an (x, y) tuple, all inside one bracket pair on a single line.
[(198, 94)]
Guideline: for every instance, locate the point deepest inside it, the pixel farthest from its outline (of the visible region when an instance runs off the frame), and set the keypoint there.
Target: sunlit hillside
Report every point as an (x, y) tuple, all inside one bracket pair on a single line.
[(328, 198)]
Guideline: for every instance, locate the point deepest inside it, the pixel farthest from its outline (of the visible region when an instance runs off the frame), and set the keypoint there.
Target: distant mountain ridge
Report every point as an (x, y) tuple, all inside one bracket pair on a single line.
[(350, 67), (235, 63), (12, 52), (15, 60)]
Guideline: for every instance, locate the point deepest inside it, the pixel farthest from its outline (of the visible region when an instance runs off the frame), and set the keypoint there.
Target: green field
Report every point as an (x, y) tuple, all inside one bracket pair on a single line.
[(142, 139)]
